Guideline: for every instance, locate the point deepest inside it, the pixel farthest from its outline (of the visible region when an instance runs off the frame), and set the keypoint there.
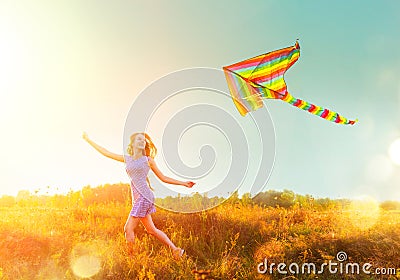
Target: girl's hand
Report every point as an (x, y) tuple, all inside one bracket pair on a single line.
[(189, 184), (85, 136)]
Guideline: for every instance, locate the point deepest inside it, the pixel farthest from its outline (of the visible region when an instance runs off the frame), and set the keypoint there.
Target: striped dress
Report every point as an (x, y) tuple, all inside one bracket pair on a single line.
[(142, 196)]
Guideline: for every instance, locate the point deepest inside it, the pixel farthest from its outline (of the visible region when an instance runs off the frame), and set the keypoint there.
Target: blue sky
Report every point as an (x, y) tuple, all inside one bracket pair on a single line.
[(73, 66)]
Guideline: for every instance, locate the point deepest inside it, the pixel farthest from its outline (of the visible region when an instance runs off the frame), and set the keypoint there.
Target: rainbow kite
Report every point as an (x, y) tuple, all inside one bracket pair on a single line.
[(252, 80)]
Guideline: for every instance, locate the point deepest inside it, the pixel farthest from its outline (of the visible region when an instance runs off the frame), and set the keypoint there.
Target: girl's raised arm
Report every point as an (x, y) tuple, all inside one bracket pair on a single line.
[(166, 179), (102, 150)]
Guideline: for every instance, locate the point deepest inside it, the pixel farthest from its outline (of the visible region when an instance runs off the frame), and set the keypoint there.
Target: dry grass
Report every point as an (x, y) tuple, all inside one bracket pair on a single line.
[(229, 241)]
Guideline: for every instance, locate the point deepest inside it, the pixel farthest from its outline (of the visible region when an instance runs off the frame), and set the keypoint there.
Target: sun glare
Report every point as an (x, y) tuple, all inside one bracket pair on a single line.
[(85, 260), (394, 151), (364, 212), (86, 266)]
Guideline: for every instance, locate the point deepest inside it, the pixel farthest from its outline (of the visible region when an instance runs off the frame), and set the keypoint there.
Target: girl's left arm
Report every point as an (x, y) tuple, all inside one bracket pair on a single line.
[(166, 179)]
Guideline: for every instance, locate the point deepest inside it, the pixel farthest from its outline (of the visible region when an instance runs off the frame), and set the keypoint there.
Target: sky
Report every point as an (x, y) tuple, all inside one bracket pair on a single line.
[(72, 66)]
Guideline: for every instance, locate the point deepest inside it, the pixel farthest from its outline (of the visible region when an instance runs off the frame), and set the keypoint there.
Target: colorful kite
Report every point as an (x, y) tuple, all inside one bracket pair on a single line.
[(252, 80)]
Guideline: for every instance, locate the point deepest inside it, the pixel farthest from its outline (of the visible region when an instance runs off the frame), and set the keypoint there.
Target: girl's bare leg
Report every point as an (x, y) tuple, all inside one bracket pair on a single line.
[(129, 229), (151, 229)]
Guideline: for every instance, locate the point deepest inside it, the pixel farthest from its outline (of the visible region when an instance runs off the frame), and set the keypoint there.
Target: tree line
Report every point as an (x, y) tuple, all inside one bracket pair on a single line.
[(120, 193)]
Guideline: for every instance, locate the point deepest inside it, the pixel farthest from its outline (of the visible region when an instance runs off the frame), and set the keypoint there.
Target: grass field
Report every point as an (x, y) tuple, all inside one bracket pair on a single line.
[(87, 241)]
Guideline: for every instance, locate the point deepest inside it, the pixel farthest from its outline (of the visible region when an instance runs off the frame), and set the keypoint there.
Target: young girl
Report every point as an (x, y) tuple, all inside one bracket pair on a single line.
[(141, 152)]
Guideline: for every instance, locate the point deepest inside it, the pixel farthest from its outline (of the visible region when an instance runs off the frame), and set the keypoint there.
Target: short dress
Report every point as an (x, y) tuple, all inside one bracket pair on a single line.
[(142, 196)]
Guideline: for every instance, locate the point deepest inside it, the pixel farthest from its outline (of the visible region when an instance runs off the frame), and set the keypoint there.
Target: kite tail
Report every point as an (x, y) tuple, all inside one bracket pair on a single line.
[(316, 110)]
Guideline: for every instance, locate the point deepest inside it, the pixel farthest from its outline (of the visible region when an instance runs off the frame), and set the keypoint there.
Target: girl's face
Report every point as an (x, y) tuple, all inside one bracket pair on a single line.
[(140, 142)]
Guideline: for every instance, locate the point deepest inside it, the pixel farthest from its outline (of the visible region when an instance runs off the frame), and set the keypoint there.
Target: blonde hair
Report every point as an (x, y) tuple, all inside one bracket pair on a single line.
[(150, 149)]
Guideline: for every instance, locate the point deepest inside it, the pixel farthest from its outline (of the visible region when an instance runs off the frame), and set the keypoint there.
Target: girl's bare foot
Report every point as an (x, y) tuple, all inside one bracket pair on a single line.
[(178, 253)]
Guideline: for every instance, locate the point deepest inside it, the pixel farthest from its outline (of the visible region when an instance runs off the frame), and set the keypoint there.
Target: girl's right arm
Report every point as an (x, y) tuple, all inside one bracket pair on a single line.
[(102, 150)]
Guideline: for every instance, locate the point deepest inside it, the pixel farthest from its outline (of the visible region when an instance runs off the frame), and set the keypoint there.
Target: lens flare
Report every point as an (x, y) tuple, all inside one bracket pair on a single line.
[(379, 169), (86, 266), (364, 212), (85, 260)]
